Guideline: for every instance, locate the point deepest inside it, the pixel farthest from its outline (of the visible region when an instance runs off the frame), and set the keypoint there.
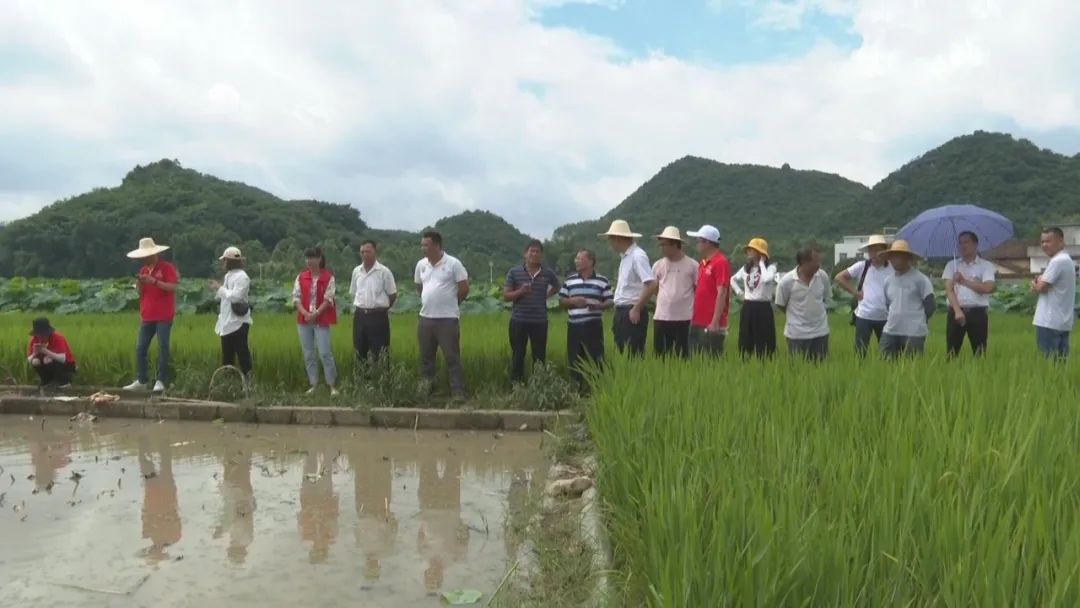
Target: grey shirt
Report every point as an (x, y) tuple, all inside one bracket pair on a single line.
[(905, 295)]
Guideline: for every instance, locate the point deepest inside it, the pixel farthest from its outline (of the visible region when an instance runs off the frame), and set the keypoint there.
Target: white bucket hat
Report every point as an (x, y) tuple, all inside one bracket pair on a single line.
[(620, 228), (671, 233), (707, 232), (875, 239), (147, 248), (232, 253)]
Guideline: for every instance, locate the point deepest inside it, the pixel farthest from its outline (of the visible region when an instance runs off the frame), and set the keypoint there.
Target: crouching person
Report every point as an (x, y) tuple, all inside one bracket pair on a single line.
[(50, 356)]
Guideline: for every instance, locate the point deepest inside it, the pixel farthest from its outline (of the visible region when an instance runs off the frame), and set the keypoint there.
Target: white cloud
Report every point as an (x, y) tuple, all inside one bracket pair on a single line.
[(414, 111)]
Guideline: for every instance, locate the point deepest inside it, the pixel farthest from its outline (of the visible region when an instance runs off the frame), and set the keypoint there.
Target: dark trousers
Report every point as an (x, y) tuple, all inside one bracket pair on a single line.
[(976, 328), (55, 374), (703, 342), (864, 328), (584, 343), (757, 330), (893, 346), (371, 334), (812, 349), (522, 334), (445, 335), (629, 335), (235, 350), (671, 337)]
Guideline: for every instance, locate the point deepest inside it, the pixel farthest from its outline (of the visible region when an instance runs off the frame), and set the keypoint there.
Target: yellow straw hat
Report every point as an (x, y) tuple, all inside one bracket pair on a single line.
[(759, 245), (900, 246)]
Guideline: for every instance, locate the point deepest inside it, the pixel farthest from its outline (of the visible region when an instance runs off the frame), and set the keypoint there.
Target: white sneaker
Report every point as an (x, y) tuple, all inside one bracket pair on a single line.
[(310, 391), (159, 387), (334, 392), (135, 386)]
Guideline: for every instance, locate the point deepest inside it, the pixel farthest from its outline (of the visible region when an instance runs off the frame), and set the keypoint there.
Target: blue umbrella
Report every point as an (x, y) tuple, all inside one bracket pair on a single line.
[(933, 233)]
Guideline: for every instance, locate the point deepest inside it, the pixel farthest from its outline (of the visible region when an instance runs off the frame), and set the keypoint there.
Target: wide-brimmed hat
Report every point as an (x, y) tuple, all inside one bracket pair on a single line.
[(620, 228), (707, 232), (42, 328), (759, 245), (232, 253), (671, 233), (899, 247), (147, 248), (875, 239)]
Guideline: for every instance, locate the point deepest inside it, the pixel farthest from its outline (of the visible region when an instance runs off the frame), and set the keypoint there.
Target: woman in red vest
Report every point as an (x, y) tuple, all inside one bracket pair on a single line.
[(313, 297)]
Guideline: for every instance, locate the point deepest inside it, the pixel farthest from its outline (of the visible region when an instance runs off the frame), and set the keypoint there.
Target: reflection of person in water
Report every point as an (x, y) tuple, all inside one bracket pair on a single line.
[(517, 511), (442, 538), (161, 510), (238, 504), (376, 529), (318, 517), (48, 455)]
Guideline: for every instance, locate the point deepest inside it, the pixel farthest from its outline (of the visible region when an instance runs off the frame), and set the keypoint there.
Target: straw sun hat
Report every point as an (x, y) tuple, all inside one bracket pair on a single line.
[(876, 239), (671, 233), (147, 248), (900, 247), (620, 228)]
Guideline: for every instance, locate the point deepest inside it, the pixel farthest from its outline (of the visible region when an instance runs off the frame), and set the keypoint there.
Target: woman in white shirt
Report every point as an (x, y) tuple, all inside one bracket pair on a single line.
[(234, 314), (754, 283)]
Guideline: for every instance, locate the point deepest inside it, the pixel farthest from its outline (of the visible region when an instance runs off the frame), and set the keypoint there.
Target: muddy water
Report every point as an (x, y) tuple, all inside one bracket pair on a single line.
[(141, 513)]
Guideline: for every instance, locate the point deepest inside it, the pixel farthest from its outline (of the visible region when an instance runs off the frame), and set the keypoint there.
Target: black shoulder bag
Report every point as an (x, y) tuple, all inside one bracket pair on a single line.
[(862, 279)]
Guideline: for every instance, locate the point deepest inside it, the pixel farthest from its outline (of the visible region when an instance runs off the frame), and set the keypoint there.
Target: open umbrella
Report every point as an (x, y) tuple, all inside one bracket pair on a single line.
[(933, 233)]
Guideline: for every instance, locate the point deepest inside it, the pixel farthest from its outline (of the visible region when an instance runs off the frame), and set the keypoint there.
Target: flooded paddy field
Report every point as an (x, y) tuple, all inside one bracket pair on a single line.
[(148, 513)]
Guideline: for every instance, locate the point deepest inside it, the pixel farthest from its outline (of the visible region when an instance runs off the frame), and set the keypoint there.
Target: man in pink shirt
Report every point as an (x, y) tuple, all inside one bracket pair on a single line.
[(676, 278)]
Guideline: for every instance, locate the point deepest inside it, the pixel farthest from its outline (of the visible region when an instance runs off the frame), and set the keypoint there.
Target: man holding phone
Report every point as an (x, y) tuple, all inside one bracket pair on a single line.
[(528, 287), (585, 295), (156, 283)]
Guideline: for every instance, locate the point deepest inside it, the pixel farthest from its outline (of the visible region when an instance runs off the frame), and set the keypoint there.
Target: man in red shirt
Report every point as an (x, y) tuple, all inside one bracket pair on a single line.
[(156, 283), (50, 356), (709, 324)]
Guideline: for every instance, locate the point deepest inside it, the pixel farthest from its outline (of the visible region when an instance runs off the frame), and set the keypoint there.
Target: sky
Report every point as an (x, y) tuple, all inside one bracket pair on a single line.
[(543, 111)]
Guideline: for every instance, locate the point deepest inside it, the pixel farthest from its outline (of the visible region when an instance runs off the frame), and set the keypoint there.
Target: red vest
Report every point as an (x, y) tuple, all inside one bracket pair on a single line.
[(329, 316)]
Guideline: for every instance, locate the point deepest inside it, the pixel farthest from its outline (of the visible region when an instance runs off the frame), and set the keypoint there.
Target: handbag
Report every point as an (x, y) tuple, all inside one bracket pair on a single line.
[(862, 279), (240, 309)]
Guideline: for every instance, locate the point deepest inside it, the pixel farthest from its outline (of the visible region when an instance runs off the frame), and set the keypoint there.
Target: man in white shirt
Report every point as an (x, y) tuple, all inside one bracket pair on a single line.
[(868, 295), (909, 295), (1056, 287), (969, 281), (804, 296), (442, 283), (631, 324), (373, 291)]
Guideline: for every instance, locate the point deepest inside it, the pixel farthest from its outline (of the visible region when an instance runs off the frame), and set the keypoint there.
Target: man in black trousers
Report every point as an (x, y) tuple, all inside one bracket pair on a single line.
[(373, 291), (969, 281), (528, 287)]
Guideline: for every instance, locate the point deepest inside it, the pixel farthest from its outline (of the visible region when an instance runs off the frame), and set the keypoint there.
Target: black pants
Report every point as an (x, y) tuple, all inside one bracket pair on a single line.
[(669, 336), (522, 334), (234, 349), (976, 328), (627, 334), (371, 334), (584, 342), (757, 330), (55, 374), (864, 329)]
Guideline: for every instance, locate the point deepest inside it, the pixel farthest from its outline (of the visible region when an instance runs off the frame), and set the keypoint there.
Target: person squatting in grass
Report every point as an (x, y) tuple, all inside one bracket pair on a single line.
[(313, 298), (528, 287), (755, 283), (585, 296), (234, 313), (804, 296), (443, 283), (909, 296), (49, 355), (156, 283), (969, 281), (374, 292), (869, 311), (1056, 288), (709, 321), (676, 279), (630, 326)]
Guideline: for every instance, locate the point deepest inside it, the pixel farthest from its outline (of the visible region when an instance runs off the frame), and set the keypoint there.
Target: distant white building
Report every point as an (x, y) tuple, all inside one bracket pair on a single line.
[(847, 249), (1072, 246)]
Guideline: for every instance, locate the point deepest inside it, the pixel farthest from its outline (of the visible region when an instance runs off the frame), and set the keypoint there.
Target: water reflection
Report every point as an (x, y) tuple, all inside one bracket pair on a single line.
[(238, 504), (442, 537), (48, 454), (161, 508), (318, 516), (376, 526)]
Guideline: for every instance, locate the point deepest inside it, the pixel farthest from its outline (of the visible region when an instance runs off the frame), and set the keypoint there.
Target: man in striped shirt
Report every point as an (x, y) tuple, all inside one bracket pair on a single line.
[(585, 295)]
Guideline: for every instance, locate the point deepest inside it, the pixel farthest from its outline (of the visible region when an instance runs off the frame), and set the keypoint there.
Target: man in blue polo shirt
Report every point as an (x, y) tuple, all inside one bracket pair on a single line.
[(529, 286)]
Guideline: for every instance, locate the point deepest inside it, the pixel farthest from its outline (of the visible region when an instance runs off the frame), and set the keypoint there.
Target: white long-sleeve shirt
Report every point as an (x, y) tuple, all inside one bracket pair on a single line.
[(756, 285), (234, 289)]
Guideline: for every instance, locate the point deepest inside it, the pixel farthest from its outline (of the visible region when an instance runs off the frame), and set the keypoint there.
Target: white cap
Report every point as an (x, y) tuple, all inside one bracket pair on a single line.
[(232, 253), (707, 232)]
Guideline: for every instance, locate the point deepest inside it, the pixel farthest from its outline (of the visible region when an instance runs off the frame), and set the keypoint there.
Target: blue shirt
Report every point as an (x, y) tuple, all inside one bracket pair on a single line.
[(531, 307)]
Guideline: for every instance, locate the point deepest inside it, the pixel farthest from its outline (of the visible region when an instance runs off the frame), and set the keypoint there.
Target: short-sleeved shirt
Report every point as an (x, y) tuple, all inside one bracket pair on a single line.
[(371, 289), (806, 305), (713, 274), (905, 295), (634, 272), (531, 307), (596, 287), (757, 284), (1055, 308), (872, 307), (980, 270), (156, 304), (438, 298), (55, 343), (677, 280)]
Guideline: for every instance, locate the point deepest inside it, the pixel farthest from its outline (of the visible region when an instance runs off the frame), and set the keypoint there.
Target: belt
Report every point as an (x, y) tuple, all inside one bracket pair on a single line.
[(967, 308), (371, 311), (624, 307)]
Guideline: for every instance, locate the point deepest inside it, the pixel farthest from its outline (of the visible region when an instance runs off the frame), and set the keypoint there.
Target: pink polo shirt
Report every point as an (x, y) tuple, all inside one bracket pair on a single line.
[(677, 281)]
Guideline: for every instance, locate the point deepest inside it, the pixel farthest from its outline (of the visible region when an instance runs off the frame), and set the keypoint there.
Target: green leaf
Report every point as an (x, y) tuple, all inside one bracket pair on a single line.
[(461, 597)]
